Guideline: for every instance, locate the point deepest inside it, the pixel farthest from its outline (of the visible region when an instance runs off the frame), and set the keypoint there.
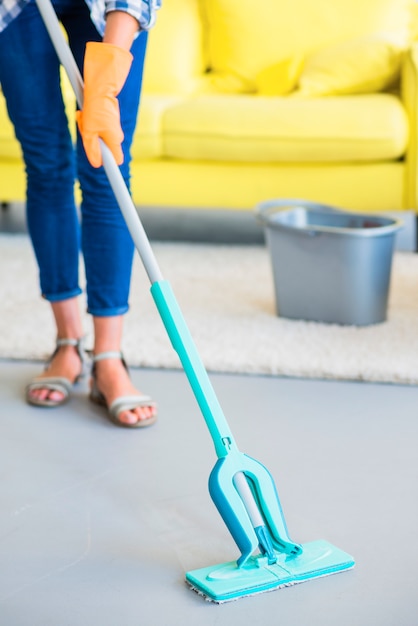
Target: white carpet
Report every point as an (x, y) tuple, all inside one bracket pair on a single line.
[(226, 295)]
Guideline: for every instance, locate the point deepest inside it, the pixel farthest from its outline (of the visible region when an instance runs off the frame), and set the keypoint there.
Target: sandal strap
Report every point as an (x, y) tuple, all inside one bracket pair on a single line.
[(68, 341), (52, 383), (103, 356), (78, 344), (110, 354), (127, 403)]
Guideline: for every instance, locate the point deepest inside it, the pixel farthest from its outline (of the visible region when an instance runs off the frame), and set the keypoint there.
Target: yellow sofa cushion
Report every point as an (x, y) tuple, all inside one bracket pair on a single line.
[(176, 55), (364, 65), (243, 46), (147, 142), (260, 129), (281, 78)]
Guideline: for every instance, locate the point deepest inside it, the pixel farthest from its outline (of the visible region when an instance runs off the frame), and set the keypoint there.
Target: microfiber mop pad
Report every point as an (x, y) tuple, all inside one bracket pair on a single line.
[(223, 583)]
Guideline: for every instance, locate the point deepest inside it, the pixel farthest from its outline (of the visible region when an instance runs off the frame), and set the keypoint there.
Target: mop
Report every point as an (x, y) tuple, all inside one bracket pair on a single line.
[(242, 489)]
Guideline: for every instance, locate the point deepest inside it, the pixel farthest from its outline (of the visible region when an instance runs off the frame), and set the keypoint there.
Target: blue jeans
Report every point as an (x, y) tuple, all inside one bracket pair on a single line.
[(30, 80)]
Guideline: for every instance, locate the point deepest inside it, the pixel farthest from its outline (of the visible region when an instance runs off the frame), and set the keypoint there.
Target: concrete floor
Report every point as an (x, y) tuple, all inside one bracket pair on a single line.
[(99, 524)]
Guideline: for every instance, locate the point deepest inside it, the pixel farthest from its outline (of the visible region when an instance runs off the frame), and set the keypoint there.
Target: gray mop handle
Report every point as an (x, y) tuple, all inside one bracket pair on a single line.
[(113, 173)]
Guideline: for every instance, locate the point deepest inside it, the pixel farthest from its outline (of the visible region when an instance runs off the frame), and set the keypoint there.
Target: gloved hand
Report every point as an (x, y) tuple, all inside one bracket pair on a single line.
[(106, 68)]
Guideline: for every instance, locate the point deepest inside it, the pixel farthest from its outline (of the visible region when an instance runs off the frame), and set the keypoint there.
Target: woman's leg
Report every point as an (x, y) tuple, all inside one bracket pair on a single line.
[(29, 74), (106, 242), (66, 361), (111, 376)]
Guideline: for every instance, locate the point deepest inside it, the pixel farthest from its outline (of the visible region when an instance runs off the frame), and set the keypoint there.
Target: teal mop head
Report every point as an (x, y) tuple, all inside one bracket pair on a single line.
[(245, 495), (223, 583)]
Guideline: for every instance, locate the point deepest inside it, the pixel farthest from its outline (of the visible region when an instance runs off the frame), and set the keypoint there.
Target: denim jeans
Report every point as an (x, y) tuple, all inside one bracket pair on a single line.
[(30, 80)]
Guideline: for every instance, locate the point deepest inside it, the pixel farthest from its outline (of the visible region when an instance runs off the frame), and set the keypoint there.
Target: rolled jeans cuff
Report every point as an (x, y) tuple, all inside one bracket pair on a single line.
[(111, 312), (66, 295)]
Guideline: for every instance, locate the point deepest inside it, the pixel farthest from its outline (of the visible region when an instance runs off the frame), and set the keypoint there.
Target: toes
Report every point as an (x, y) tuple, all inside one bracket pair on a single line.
[(128, 417), (46, 394), (37, 394), (55, 396), (137, 415)]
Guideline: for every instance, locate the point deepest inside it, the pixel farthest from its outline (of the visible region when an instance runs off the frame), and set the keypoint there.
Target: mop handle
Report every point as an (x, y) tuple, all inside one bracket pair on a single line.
[(161, 290), (113, 173)]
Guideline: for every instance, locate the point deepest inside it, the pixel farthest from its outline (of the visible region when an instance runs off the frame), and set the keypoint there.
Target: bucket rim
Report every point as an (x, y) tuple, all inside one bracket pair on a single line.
[(267, 209)]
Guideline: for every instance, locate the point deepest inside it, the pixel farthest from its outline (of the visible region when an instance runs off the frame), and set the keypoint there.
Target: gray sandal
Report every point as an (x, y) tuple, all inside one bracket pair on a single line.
[(56, 383), (123, 403)]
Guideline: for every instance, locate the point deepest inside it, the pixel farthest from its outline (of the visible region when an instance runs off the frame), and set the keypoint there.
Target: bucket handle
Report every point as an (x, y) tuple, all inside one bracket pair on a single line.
[(265, 209)]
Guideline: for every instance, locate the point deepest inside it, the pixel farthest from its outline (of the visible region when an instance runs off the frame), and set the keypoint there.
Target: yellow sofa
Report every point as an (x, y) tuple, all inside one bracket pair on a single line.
[(246, 101)]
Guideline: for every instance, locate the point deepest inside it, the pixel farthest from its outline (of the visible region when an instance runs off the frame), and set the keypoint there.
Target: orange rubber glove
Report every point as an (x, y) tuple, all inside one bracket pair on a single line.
[(106, 68)]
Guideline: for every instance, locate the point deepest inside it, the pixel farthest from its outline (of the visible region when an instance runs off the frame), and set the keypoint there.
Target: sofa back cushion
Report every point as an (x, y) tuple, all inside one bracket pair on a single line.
[(245, 38), (175, 59)]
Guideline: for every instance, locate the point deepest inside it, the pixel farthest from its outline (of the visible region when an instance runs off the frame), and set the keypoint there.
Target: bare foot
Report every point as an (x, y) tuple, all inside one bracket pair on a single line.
[(113, 381)]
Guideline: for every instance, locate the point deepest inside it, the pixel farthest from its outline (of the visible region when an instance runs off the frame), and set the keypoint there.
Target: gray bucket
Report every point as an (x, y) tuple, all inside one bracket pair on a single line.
[(329, 265)]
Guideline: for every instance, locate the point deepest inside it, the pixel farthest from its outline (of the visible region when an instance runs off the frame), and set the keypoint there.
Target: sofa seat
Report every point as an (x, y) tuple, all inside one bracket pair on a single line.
[(260, 129)]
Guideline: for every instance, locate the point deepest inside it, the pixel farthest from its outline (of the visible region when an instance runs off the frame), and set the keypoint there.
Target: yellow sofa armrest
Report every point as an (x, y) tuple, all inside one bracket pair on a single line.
[(409, 95)]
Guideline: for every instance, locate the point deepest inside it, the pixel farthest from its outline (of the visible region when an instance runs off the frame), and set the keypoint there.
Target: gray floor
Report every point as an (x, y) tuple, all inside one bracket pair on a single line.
[(98, 524)]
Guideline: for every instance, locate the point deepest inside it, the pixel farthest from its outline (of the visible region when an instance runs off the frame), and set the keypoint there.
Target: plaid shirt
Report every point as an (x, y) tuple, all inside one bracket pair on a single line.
[(143, 10)]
